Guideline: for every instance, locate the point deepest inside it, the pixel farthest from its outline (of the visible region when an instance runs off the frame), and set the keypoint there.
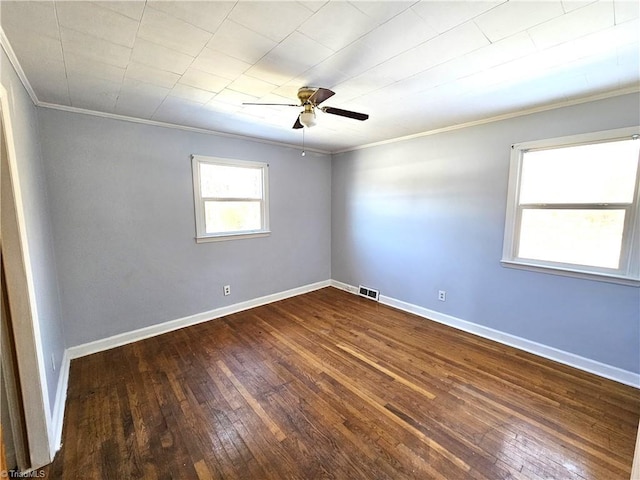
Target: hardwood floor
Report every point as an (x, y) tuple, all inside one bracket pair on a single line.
[(330, 385)]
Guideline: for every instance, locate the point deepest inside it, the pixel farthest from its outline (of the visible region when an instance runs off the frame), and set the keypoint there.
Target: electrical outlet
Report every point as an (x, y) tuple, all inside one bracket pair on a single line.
[(227, 290), (442, 295)]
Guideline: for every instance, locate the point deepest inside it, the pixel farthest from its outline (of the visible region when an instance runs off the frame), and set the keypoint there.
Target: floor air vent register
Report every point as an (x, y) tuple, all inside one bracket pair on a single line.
[(369, 293)]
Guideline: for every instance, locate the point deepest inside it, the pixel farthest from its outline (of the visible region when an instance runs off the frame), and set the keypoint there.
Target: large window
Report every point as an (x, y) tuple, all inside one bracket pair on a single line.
[(231, 198), (573, 206)]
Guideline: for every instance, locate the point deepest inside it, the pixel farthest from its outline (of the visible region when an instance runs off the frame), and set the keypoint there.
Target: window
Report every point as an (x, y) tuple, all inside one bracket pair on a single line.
[(231, 198), (573, 206)]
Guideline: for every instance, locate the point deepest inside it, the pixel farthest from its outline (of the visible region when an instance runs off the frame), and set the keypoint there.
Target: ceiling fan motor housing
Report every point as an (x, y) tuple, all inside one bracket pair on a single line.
[(304, 93)]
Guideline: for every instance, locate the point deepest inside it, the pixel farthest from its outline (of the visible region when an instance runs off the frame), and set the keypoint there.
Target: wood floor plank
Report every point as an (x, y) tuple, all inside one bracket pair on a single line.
[(331, 385)]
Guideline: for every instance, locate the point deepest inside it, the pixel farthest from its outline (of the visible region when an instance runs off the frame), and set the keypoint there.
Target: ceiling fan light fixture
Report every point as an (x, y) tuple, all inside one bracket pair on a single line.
[(308, 118)]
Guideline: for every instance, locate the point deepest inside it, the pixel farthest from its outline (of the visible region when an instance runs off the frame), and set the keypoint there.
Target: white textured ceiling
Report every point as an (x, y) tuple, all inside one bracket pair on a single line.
[(413, 66)]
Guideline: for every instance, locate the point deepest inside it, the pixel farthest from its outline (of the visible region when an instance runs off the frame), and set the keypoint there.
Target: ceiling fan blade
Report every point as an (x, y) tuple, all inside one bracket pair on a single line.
[(320, 95), (298, 124), (272, 104), (345, 113)]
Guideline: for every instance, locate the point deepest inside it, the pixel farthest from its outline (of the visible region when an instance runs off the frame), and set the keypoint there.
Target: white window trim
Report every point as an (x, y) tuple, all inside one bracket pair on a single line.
[(201, 235), (628, 274)]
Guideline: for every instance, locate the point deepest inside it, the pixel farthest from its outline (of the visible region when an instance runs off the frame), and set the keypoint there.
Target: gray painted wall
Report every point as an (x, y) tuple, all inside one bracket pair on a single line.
[(123, 224), (38, 222), (414, 217)]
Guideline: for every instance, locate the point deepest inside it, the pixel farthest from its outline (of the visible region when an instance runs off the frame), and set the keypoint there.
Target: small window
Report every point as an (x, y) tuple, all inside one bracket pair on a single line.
[(573, 206), (231, 198)]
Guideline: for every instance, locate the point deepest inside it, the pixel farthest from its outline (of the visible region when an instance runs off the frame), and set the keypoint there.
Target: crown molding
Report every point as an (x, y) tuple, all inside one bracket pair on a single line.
[(13, 59), (174, 126), (6, 46), (497, 118)]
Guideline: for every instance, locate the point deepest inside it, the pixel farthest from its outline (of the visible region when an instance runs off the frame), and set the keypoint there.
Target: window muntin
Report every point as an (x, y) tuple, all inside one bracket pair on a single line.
[(231, 198), (573, 206)]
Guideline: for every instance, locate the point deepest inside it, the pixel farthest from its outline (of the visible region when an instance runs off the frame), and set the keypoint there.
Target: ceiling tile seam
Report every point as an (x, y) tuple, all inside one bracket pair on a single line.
[(357, 40), (183, 21), (467, 75), (301, 74), (112, 12), (60, 27), (277, 43), (538, 50), (573, 39), (70, 60), (355, 5), (227, 19), (420, 72), (205, 46), (124, 76), (131, 48), (472, 20), (211, 35), (55, 6), (164, 99), (296, 30), (100, 2), (615, 15), (200, 53), (310, 10), (64, 61), (483, 32)]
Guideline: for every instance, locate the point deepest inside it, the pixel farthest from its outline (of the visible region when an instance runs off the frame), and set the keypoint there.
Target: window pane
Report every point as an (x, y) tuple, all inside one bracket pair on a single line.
[(221, 181), (581, 237), (221, 217), (598, 173)]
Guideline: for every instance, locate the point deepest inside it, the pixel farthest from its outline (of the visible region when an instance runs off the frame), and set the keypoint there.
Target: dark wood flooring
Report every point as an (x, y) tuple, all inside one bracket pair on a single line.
[(329, 385)]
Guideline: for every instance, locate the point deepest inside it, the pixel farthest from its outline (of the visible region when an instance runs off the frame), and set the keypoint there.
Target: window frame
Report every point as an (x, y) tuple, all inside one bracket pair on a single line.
[(199, 201), (629, 271)]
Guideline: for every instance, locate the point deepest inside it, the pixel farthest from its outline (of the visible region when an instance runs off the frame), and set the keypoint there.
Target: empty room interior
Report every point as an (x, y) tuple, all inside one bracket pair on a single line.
[(320, 239)]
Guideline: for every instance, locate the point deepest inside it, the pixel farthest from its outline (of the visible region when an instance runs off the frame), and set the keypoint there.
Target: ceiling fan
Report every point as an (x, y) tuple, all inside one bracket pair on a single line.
[(310, 98)]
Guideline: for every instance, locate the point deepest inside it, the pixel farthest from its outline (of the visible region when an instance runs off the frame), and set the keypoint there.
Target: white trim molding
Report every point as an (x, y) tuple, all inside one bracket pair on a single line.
[(153, 330), (57, 420), (148, 332), (28, 339), (566, 358), (497, 118), (627, 271), (13, 59), (78, 351)]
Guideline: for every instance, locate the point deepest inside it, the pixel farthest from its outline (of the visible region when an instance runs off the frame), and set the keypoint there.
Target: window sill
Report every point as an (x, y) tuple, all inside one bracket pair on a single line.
[(594, 276), (233, 236)]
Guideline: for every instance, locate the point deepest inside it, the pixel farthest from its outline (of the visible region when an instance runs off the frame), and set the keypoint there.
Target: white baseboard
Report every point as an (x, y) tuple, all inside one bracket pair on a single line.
[(55, 440), (159, 329), (560, 356), (545, 351), (148, 332)]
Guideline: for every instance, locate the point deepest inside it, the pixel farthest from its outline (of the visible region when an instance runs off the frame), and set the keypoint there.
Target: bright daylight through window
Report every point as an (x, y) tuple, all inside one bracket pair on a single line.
[(231, 198), (573, 206)]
